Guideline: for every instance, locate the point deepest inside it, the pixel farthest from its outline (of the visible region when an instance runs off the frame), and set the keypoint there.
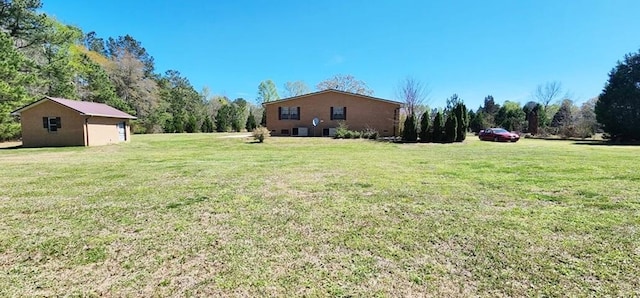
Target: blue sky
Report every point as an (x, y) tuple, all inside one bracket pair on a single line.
[(473, 48)]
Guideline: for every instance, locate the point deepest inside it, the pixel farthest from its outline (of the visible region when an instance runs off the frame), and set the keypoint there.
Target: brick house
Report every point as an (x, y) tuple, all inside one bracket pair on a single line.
[(64, 122), (293, 116)]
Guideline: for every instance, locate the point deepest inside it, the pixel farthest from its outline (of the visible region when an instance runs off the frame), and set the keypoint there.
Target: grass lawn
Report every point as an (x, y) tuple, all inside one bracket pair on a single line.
[(205, 215)]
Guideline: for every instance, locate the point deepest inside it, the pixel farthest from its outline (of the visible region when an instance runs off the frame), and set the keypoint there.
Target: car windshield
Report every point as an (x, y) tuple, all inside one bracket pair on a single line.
[(500, 130)]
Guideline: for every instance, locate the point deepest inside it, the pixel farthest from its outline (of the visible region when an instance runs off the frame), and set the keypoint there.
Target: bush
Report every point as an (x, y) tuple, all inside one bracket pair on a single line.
[(260, 133), (573, 131), (370, 133), (342, 130)]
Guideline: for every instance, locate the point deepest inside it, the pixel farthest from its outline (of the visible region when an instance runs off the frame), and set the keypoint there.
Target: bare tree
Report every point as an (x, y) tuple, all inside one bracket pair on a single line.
[(347, 83), (296, 88), (548, 92), (413, 93)]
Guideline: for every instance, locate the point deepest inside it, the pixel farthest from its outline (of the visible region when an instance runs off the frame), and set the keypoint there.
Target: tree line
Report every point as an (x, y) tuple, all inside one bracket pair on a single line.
[(42, 56), (553, 114)]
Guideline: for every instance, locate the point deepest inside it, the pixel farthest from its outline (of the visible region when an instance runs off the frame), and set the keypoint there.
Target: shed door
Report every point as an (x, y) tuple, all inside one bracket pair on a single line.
[(122, 131)]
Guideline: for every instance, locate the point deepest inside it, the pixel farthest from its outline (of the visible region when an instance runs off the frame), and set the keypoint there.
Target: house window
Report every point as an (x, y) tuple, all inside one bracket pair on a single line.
[(338, 113), (284, 132), (52, 124), (284, 113), (292, 113)]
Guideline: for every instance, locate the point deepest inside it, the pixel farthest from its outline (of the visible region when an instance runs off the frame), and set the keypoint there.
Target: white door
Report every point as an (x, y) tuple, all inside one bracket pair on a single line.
[(122, 131)]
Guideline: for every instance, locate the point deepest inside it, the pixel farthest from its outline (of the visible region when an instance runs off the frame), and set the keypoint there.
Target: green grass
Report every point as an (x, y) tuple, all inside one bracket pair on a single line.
[(204, 215)]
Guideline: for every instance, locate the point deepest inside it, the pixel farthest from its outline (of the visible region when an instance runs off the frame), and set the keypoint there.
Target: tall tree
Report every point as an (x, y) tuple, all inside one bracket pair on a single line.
[(532, 113), (55, 69), (251, 123), (295, 88), (15, 77), (239, 114), (347, 83), (564, 116), (548, 92), (477, 122), (425, 134), (490, 107), (91, 81), (413, 93), (139, 92), (450, 129), (587, 121), (452, 102), (410, 131), (182, 98), (127, 45), (438, 128), (462, 121), (510, 116), (267, 92), (224, 118), (94, 43), (618, 107), (21, 20)]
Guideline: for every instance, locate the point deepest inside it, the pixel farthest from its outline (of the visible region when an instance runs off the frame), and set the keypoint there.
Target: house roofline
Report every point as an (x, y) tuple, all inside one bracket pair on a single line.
[(334, 91)]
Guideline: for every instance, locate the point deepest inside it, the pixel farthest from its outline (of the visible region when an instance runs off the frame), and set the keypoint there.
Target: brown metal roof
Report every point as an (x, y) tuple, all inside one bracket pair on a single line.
[(333, 91), (82, 107)]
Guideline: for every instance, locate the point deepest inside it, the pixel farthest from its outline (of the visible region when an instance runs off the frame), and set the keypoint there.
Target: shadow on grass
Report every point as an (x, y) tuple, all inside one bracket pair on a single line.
[(11, 147), (605, 143)]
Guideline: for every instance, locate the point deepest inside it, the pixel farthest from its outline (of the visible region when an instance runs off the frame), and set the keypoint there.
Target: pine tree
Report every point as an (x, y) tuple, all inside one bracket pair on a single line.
[(207, 125), (618, 107), (251, 122), (438, 128), (191, 125), (450, 129), (13, 91), (223, 118), (425, 134), (462, 118), (409, 133)]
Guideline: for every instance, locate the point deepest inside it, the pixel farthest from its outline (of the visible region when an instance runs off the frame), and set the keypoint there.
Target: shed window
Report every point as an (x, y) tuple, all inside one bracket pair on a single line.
[(52, 124)]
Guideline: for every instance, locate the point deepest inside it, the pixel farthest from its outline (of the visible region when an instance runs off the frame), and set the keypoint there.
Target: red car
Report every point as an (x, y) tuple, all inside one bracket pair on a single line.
[(498, 135)]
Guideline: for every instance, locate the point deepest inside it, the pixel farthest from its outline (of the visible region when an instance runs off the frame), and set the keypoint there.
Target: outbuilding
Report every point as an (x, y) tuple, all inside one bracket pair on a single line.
[(54, 121)]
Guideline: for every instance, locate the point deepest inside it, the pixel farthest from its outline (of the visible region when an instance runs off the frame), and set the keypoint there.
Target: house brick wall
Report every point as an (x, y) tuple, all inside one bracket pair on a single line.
[(362, 113)]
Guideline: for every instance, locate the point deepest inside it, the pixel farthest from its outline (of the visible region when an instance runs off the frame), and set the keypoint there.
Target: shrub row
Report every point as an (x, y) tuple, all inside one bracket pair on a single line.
[(343, 132)]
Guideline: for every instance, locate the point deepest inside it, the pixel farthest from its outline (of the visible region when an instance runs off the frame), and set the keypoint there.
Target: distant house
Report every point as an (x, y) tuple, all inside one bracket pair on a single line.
[(294, 116), (64, 122)]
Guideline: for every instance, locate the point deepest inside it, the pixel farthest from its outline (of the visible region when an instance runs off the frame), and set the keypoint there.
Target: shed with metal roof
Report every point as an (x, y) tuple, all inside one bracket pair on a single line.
[(54, 121)]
